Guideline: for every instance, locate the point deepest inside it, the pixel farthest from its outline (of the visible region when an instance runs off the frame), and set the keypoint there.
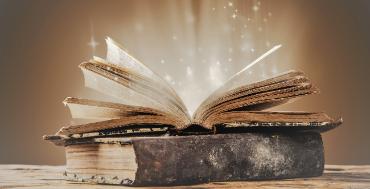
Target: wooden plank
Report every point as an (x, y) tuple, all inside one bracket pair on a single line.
[(36, 176)]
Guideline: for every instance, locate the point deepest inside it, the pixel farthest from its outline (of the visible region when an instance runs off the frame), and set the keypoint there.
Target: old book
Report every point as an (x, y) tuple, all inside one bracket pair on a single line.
[(143, 106), (176, 160), (146, 100)]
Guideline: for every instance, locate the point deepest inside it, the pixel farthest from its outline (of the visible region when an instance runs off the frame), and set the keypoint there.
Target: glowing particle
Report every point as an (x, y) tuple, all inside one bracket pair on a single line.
[(252, 50), (230, 59), (218, 63), (269, 14), (230, 50), (174, 37), (109, 68), (213, 9), (230, 4), (116, 78), (236, 10), (255, 8), (224, 7), (168, 78), (259, 29), (233, 16), (264, 19), (162, 61), (189, 71), (93, 44)]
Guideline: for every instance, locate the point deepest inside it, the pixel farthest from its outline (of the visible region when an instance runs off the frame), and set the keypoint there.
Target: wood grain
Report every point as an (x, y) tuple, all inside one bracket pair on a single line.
[(40, 176)]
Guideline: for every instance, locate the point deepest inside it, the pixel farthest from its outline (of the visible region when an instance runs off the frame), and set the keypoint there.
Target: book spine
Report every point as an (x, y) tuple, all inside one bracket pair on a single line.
[(228, 157)]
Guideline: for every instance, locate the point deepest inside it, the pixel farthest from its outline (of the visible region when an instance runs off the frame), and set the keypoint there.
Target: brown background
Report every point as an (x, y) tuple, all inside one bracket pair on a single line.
[(42, 42)]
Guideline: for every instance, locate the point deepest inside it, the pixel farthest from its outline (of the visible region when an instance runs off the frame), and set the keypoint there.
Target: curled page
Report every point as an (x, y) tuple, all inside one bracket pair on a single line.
[(121, 93), (116, 55), (243, 78)]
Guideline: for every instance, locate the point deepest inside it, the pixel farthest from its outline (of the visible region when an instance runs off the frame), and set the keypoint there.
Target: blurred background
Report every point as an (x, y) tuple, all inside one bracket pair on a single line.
[(194, 45)]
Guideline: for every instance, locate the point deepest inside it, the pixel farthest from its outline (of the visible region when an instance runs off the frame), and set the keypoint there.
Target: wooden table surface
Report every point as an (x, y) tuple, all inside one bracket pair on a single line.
[(36, 176)]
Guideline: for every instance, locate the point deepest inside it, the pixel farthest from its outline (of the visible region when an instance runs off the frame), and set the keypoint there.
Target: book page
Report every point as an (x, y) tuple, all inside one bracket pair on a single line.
[(92, 111), (261, 100), (250, 74), (130, 88), (234, 121), (252, 94), (118, 56)]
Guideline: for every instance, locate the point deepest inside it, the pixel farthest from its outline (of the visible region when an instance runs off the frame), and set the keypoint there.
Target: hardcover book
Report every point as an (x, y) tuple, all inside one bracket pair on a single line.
[(147, 136)]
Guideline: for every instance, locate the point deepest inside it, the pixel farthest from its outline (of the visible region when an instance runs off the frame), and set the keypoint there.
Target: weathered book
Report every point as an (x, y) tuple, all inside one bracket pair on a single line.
[(144, 104), (176, 160)]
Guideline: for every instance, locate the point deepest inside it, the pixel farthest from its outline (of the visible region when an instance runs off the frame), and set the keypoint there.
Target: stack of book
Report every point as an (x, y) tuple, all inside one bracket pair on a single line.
[(146, 136)]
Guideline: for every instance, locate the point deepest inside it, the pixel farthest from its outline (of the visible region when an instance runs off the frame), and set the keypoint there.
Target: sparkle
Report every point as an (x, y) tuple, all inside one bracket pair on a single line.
[(268, 44), (230, 4), (168, 78), (213, 8), (255, 8), (230, 59), (93, 44), (189, 71), (162, 61), (233, 16), (224, 7), (230, 50)]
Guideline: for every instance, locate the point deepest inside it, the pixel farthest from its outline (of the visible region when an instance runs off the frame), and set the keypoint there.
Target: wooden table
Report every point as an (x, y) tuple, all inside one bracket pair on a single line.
[(36, 176)]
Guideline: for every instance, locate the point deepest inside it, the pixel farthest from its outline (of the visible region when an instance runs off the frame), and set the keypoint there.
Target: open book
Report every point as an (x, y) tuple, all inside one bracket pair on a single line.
[(145, 102)]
